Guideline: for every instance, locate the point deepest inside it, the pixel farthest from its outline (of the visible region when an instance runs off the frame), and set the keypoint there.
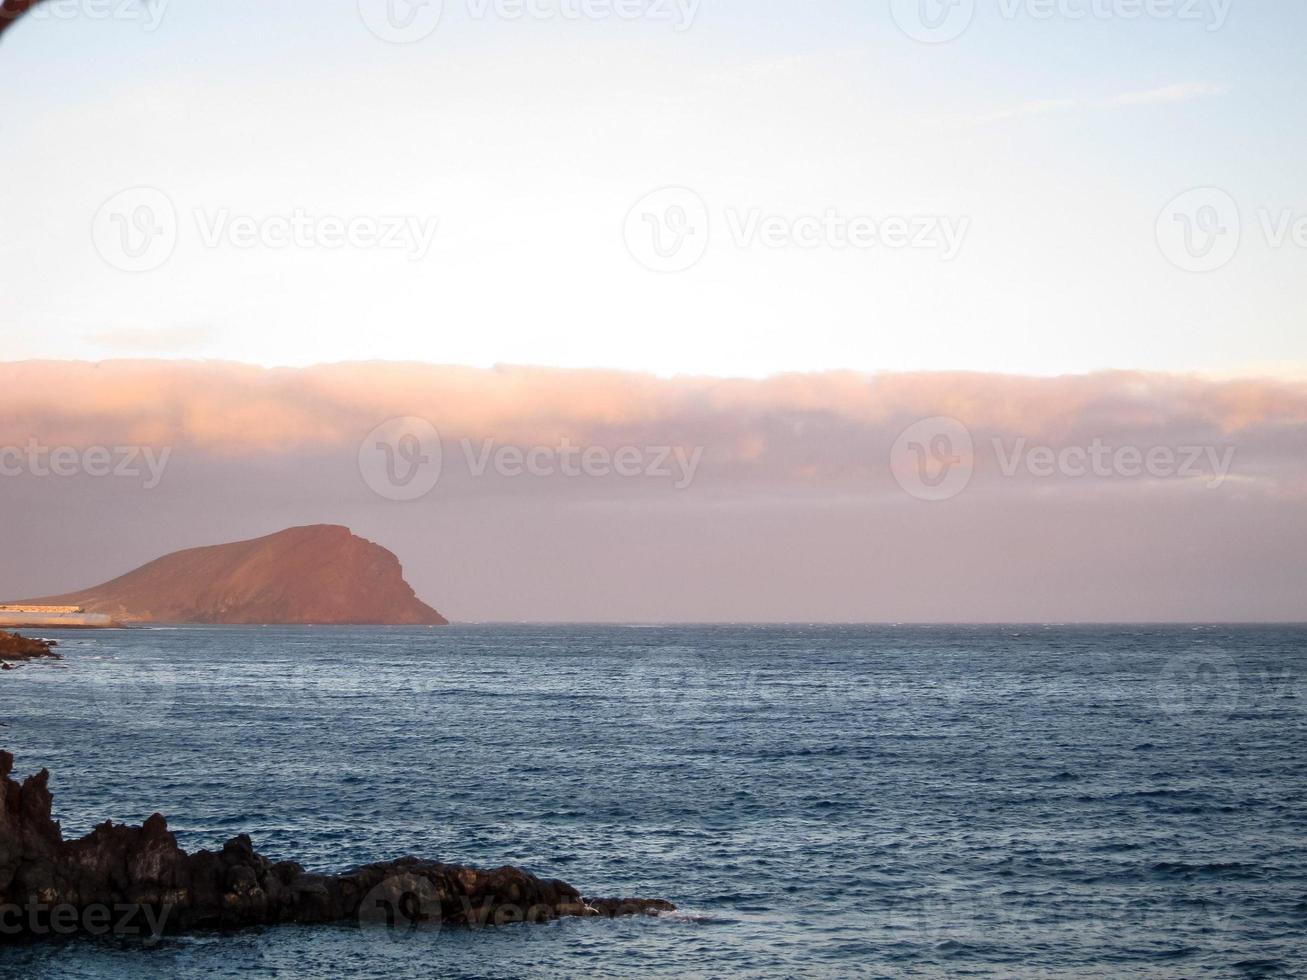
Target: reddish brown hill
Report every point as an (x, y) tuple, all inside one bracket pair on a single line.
[(322, 575)]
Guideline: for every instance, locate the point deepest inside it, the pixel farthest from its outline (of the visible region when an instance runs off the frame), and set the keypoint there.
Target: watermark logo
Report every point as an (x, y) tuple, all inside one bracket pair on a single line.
[(136, 229), (401, 21), (1201, 683), (400, 907), (933, 21), (668, 230), (401, 459), (1200, 230), (933, 459)]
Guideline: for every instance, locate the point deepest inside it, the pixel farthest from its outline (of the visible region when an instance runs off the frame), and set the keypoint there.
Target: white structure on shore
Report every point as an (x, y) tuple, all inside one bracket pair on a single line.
[(53, 610), (66, 616)]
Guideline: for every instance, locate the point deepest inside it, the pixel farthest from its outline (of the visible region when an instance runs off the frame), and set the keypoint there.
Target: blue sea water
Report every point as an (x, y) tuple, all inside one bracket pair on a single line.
[(819, 801)]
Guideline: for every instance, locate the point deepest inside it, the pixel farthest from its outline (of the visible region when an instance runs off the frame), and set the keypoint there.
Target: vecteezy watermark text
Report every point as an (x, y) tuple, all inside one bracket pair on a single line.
[(39, 460), (680, 14), (935, 459), (409, 21), (941, 21), (64, 919), (299, 229), (674, 463), (938, 233), (1211, 14), (1209, 463), (403, 459), (148, 13)]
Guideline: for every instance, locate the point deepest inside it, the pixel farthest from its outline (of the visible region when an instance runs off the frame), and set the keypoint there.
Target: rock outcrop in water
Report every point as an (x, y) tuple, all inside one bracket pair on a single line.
[(320, 575), (14, 647), (136, 881)]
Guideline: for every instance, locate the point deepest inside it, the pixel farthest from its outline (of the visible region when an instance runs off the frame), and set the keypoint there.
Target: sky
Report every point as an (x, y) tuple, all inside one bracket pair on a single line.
[(487, 193), (736, 310)]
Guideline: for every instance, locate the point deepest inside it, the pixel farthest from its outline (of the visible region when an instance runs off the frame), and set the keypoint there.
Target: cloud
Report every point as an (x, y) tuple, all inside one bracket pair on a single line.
[(1167, 94), (817, 429), (794, 515), (139, 340)]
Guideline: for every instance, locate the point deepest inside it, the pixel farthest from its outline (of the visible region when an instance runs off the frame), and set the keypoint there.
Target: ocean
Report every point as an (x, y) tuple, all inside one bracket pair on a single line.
[(873, 801)]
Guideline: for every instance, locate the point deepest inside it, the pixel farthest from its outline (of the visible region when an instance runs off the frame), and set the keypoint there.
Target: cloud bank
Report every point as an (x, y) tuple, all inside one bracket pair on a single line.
[(789, 426), (838, 496)]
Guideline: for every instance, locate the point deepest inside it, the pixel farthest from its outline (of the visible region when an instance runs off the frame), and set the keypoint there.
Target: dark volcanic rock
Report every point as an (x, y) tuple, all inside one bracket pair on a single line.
[(16, 647), (137, 881)]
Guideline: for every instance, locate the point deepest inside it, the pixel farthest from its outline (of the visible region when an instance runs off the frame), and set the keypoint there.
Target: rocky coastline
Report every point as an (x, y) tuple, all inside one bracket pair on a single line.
[(15, 648), (136, 881)]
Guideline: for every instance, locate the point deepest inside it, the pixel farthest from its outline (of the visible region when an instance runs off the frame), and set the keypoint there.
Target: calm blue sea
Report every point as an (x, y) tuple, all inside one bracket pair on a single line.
[(820, 801)]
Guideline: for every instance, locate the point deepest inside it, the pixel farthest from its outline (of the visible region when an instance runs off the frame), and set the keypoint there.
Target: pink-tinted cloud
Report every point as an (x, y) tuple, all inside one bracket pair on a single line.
[(789, 426), (803, 506)]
